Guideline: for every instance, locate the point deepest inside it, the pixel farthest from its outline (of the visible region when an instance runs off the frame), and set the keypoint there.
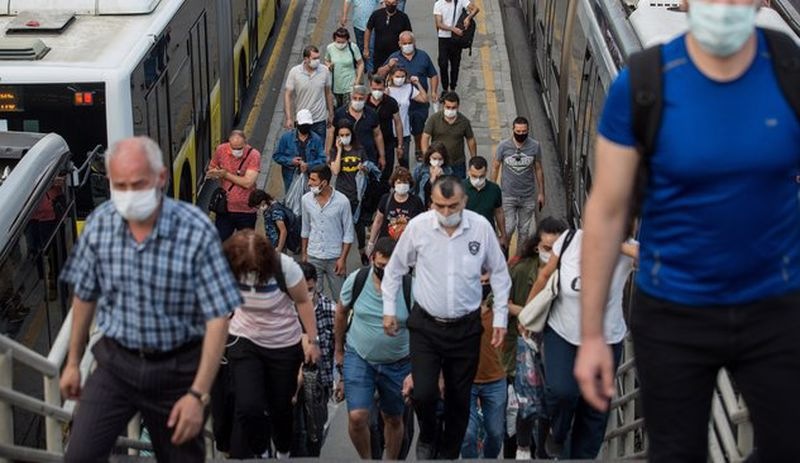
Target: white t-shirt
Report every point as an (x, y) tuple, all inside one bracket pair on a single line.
[(403, 95), (565, 316), (268, 316), (445, 9)]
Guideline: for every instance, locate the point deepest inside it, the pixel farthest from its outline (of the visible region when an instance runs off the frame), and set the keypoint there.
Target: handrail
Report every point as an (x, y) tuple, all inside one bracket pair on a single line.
[(28, 357)]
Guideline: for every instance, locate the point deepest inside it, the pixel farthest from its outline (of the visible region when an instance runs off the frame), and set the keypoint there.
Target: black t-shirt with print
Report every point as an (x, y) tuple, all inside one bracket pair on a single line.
[(396, 214), (346, 180)]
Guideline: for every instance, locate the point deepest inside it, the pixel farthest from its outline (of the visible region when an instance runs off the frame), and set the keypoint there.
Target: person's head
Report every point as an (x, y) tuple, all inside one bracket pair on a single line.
[(399, 76), (137, 177), (520, 129), (722, 27), (377, 86), (344, 131), (448, 200), (310, 275), (401, 180), (547, 233), (407, 42), (251, 256), (450, 104), (390, 5), (477, 171), (341, 37), (237, 141), (311, 56), (358, 97), (319, 179), (304, 121), (436, 155), (259, 199), (381, 254)]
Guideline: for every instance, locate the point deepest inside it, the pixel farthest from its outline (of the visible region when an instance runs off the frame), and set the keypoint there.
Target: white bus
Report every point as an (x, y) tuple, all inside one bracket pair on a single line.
[(96, 71)]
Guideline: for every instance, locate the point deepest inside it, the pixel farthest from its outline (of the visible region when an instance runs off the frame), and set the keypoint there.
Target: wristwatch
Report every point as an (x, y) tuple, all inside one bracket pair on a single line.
[(314, 341), (204, 399)]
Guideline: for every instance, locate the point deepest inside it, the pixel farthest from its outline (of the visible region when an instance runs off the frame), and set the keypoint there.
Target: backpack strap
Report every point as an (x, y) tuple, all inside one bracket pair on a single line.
[(647, 104), (407, 290), (241, 163), (352, 54), (785, 55), (280, 278), (358, 287), (567, 241)]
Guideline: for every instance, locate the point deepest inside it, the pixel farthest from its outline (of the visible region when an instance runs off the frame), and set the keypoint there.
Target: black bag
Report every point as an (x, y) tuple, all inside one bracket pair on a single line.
[(293, 226), (468, 33), (647, 96), (372, 195), (219, 198)]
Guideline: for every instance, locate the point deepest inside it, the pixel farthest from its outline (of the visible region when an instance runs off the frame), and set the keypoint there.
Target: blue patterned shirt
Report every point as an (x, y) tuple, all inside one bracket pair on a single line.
[(157, 294), (362, 9), (324, 311)]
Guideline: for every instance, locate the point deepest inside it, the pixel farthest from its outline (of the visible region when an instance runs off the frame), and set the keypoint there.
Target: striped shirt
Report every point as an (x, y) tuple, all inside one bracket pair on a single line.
[(157, 294)]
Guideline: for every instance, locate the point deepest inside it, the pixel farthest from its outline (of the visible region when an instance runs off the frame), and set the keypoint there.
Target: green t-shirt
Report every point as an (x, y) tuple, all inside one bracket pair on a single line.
[(523, 274), (485, 200), (452, 135), (344, 66)]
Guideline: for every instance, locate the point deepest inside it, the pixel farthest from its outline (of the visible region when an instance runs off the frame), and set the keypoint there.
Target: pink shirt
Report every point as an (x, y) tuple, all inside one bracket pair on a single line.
[(223, 157)]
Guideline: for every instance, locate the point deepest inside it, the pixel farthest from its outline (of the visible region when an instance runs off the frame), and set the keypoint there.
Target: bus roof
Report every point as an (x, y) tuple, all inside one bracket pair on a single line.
[(89, 43), (80, 6), (655, 23)]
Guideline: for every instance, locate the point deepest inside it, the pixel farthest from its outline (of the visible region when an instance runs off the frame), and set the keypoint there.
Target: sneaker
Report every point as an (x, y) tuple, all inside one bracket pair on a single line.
[(523, 454), (554, 449), (425, 451)]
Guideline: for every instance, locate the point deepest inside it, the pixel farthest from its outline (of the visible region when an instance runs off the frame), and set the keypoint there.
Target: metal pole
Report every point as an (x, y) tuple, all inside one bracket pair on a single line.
[(6, 413), (53, 434), (134, 432)]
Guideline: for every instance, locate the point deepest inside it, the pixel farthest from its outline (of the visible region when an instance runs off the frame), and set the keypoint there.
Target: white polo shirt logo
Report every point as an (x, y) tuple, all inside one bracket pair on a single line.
[(474, 247)]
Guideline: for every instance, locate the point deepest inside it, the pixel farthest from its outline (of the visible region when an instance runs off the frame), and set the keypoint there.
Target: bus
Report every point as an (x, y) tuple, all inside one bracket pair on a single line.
[(580, 46), (96, 71)]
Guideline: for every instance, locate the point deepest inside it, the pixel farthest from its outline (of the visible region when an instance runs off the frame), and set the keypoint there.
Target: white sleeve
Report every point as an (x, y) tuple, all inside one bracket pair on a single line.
[(292, 273), (499, 279), (403, 256)]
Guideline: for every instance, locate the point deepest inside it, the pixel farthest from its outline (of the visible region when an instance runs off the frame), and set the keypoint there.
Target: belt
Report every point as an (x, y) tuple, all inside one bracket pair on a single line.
[(155, 354), (447, 321)]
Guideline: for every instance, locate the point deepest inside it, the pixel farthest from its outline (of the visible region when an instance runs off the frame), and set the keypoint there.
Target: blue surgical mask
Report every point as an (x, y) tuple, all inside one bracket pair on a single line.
[(721, 29)]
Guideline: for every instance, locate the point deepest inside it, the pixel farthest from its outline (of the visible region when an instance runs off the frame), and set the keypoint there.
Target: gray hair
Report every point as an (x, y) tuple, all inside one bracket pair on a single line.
[(360, 90), (407, 34), (149, 147)]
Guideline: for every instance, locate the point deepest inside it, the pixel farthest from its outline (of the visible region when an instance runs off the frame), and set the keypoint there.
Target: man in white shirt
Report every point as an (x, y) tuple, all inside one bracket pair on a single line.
[(445, 15), (450, 248)]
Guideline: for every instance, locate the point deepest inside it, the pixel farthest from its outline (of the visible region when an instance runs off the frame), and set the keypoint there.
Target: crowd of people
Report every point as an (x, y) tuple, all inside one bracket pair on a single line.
[(262, 319)]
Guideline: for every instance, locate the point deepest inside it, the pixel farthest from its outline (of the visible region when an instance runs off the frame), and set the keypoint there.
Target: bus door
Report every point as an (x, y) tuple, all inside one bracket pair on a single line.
[(252, 21)]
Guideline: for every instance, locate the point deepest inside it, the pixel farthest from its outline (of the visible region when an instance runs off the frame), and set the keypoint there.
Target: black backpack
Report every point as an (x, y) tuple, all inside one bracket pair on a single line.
[(468, 36), (647, 102), (358, 286), (293, 224)]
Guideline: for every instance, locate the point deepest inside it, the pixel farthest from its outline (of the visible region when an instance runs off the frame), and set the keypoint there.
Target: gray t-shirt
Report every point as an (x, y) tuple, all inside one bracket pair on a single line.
[(309, 90), (519, 179)]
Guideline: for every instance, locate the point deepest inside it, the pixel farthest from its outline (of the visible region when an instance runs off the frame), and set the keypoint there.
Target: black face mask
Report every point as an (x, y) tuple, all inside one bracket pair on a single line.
[(487, 290), (304, 129), (378, 271), (391, 8), (521, 137)]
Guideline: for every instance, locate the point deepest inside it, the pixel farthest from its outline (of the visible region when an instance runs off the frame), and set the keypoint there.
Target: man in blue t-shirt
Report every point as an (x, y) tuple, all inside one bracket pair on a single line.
[(719, 274), (369, 359)]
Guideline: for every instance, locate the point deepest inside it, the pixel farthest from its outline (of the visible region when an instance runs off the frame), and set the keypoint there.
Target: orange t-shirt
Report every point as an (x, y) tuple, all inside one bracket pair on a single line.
[(490, 369), (223, 158)]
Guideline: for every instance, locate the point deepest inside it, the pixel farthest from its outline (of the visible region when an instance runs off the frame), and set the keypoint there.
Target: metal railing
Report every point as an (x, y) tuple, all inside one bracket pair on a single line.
[(730, 433), (57, 413)]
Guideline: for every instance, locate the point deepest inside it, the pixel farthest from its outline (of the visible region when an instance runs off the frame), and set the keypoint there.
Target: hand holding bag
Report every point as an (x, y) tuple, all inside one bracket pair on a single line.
[(534, 315), (219, 198)]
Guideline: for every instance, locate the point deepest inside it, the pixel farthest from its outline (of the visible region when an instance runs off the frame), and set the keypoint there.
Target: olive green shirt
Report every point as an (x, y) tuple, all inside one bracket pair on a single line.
[(452, 135), (523, 274)]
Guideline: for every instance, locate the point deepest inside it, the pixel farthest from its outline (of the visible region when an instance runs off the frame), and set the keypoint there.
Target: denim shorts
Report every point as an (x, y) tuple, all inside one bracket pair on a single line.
[(362, 377)]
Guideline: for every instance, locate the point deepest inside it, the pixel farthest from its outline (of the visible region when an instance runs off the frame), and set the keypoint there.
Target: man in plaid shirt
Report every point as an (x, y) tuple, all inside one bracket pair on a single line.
[(152, 269)]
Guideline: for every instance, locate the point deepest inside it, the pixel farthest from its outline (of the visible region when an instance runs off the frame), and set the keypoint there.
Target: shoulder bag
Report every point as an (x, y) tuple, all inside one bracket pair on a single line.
[(219, 198)]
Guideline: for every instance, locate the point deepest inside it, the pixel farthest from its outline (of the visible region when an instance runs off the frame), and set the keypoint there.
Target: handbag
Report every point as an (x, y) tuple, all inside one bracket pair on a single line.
[(468, 33), (219, 198), (534, 315)]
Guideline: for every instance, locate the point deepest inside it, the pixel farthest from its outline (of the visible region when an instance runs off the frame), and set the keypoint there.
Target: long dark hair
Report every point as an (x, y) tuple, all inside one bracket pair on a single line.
[(250, 253)]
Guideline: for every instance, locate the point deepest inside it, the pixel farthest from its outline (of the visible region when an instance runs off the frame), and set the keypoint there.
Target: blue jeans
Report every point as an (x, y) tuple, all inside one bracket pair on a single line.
[(572, 419), (359, 35), (362, 377), (321, 129), (493, 406)]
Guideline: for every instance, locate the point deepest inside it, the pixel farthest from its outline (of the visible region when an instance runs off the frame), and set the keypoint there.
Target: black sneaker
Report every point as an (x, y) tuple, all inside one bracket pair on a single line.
[(425, 451)]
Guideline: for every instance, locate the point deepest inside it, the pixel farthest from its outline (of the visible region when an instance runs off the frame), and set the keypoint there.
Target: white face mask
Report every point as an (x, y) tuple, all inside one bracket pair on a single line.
[(450, 113), (721, 29), (316, 190), (377, 94), (357, 105), (449, 221), (346, 139), (313, 63), (544, 256), (437, 162), (398, 81), (237, 153), (135, 205), (340, 45), (402, 188), (407, 48), (477, 182)]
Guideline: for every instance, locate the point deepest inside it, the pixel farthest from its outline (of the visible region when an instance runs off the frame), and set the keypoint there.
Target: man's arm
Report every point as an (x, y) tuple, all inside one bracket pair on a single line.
[(425, 141), (247, 181), (343, 18), (403, 257), (287, 107), (537, 167), (398, 128), (339, 329), (496, 165), (500, 218), (472, 144), (82, 316), (367, 37), (377, 136), (501, 288), (305, 231), (282, 234)]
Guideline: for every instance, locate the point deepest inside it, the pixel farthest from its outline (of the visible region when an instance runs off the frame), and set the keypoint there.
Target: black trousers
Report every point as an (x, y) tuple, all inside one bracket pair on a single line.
[(124, 384), (453, 349), (449, 63), (234, 221), (264, 381), (679, 351)]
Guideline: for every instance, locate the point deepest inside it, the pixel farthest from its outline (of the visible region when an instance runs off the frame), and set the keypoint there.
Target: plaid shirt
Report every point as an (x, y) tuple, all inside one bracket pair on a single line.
[(157, 294), (324, 314)]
